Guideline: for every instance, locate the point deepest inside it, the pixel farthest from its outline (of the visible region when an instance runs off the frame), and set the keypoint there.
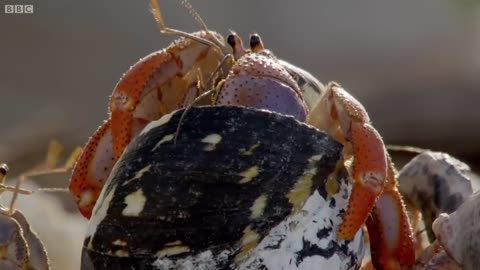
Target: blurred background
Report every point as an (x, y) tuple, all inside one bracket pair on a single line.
[(415, 65)]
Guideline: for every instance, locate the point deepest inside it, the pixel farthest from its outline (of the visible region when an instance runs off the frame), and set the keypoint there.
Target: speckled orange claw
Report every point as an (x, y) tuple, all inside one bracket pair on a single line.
[(369, 172), (92, 169)]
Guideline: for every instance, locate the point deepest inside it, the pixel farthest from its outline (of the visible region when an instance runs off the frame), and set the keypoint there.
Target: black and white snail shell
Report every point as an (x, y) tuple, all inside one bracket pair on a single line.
[(240, 189)]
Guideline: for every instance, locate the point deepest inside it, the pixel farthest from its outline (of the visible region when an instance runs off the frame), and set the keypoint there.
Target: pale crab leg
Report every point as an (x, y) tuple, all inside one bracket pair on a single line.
[(346, 119)]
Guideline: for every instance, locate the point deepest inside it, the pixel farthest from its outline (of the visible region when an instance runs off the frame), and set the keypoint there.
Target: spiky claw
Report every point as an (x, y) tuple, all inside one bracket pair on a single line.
[(92, 169), (369, 173)]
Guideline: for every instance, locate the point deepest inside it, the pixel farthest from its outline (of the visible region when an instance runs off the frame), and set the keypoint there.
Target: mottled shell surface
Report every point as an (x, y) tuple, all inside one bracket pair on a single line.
[(435, 183), (458, 233), (240, 189)]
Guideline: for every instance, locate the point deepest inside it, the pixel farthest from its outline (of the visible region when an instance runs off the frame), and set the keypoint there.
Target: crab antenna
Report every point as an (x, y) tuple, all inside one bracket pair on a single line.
[(201, 22), (166, 30)]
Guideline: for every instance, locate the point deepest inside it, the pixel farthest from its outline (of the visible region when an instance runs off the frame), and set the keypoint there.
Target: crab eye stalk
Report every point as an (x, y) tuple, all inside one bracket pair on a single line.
[(3, 170), (256, 43), (231, 40), (237, 45)]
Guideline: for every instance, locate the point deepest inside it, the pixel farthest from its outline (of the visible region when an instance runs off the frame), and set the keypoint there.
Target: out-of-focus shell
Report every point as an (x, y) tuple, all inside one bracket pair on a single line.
[(434, 257), (434, 183), (459, 233), (20, 247), (240, 189)]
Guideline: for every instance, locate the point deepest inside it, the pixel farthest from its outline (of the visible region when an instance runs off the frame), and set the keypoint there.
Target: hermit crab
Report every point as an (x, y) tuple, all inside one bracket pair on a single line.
[(20, 247), (251, 180)]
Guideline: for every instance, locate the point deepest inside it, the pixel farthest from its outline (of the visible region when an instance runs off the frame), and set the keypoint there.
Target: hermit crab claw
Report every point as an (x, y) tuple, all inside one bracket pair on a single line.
[(346, 120), (374, 184)]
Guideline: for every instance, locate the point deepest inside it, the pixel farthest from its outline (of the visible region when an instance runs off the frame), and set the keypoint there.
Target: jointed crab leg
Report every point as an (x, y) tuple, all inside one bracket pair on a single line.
[(344, 117), (390, 233)]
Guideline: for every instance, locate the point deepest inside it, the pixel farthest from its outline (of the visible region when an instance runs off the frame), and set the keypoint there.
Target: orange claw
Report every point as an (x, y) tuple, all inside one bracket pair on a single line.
[(369, 173), (94, 165), (92, 169)]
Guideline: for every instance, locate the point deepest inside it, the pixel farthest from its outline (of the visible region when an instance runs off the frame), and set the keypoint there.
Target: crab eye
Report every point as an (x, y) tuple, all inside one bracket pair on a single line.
[(231, 40), (3, 169), (255, 42), (237, 46)]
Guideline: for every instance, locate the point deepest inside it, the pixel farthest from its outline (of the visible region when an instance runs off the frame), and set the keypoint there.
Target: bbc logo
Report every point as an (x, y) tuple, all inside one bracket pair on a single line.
[(18, 9)]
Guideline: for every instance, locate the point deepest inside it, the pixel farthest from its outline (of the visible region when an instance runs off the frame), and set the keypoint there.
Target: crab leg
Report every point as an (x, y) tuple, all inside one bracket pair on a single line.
[(346, 119), (391, 238)]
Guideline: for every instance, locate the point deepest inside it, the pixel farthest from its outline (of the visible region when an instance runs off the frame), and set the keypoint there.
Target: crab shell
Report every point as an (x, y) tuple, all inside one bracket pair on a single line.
[(435, 183), (440, 186), (458, 233), (241, 189)]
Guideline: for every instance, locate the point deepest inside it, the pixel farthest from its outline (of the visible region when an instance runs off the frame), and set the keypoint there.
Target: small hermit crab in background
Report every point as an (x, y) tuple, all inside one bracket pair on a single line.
[(20, 247), (248, 87)]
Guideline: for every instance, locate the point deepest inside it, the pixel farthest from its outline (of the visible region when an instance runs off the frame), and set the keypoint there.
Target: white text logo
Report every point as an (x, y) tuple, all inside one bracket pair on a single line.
[(18, 9)]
